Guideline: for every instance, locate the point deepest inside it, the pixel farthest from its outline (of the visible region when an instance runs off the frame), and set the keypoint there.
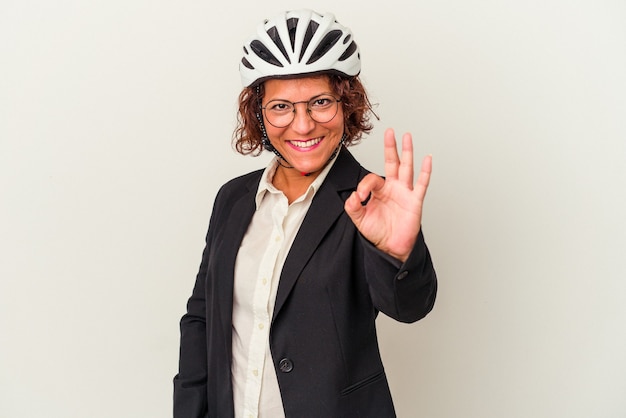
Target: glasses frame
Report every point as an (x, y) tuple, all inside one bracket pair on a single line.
[(308, 109)]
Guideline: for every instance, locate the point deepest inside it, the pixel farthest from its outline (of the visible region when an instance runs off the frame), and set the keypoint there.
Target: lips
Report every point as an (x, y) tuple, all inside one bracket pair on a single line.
[(306, 144)]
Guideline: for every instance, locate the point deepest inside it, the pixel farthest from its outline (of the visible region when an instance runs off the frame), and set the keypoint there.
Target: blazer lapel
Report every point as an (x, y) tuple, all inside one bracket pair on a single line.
[(230, 239), (326, 207)]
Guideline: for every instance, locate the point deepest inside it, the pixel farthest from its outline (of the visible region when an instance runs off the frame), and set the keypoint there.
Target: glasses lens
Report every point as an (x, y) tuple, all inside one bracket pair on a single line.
[(322, 108), (279, 113)]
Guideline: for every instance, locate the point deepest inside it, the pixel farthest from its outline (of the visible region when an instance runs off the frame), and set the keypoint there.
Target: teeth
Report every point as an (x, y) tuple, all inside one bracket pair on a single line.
[(306, 144)]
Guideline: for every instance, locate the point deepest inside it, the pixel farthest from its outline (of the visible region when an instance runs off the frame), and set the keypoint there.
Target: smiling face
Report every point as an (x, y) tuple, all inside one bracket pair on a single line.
[(306, 144)]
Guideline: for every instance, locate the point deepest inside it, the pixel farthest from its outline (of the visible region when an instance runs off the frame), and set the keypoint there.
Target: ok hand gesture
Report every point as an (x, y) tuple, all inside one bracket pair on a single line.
[(392, 216)]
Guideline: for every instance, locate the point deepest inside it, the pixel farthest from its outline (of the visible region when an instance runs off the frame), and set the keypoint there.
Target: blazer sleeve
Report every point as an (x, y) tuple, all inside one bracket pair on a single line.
[(403, 291), (190, 384)]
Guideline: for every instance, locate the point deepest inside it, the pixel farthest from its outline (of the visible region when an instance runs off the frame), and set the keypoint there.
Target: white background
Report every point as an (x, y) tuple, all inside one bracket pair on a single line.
[(115, 126)]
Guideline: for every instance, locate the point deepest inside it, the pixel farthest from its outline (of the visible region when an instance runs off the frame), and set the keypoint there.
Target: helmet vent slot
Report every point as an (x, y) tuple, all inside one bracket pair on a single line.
[(292, 25), (261, 50), (247, 63), (273, 34), (348, 52), (308, 35), (325, 45)]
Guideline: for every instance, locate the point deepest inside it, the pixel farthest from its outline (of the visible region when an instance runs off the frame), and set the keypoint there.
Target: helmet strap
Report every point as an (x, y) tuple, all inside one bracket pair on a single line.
[(264, 138)]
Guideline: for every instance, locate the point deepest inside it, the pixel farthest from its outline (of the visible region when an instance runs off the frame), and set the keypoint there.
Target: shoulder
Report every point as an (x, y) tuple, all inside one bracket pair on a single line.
[(240, 185), (236, 188)]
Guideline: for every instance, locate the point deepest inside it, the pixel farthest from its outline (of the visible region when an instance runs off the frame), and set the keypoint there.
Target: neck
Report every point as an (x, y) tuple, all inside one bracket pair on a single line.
[(291, 182)]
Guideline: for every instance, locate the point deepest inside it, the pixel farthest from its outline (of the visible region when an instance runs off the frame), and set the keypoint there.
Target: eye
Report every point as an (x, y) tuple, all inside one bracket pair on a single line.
[(278, 106), (321, 102)]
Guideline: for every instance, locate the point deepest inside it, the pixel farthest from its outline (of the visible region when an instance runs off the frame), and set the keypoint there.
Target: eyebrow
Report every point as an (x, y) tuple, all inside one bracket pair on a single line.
[(302, 101)]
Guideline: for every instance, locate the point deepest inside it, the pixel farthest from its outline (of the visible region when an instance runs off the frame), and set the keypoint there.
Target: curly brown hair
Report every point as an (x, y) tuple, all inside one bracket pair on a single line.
[(357, 110)]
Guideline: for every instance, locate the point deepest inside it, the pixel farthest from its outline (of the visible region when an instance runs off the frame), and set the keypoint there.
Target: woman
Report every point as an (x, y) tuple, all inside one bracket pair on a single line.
[(301, 257)]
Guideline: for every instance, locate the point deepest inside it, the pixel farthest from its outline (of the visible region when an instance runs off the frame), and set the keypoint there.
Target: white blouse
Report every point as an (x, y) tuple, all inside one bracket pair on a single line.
[(259, 263)]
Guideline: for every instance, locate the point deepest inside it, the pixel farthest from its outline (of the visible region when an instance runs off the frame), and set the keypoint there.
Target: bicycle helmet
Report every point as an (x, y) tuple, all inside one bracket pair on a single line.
[(298, 43)]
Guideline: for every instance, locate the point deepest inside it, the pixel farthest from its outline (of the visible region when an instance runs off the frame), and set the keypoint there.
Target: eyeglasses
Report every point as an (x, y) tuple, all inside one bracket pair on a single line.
[(280, 113)]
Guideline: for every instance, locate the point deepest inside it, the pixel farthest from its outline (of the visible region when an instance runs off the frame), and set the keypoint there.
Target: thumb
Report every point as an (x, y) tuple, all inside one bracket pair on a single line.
[(354, 208)]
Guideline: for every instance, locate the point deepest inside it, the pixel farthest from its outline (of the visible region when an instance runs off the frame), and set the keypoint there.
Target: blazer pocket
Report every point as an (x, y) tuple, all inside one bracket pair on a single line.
[(365, 382)]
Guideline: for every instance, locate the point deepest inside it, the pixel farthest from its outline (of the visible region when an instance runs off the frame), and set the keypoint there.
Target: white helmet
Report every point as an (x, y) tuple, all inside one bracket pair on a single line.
[(298, 43)]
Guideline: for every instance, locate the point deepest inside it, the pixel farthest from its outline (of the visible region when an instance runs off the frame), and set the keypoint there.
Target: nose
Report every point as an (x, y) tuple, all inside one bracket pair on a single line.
[(302, 121)]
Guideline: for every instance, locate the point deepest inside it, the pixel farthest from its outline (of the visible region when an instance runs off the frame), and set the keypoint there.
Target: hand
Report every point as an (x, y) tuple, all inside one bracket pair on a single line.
[(392, 216)]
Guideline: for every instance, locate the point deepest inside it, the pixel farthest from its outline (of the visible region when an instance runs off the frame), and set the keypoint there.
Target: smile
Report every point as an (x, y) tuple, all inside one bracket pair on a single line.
[(306, 144)]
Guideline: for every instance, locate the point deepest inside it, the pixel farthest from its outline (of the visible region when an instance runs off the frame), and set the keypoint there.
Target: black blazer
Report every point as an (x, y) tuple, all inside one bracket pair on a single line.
[(323, 335)]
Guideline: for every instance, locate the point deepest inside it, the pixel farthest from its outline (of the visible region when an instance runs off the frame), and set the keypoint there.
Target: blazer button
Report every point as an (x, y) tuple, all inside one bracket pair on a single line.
[(285, 365), (402, 275)]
